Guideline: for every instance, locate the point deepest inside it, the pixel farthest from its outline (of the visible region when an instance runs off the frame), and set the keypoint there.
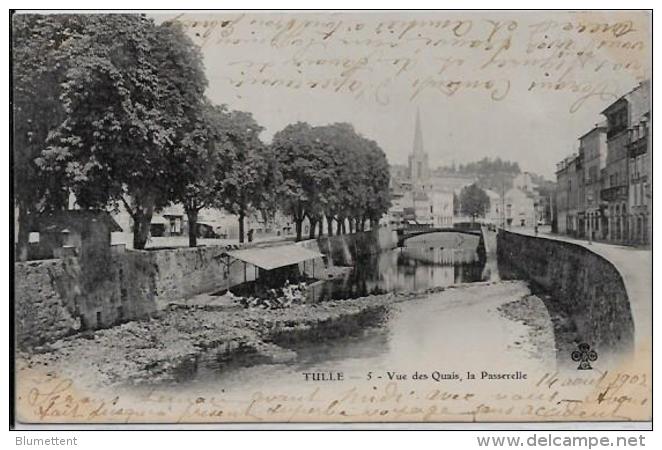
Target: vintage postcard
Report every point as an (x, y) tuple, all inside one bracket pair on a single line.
[(332, 217)]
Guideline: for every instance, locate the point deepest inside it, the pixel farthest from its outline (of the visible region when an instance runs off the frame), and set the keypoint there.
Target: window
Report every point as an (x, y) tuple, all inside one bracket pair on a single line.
[(617, 121)]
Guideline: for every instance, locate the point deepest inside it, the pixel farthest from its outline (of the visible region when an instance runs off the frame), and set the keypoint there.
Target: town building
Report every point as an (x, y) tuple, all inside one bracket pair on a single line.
[(604, 191), (493, 214), (72, 233), (441, 208), (519, 208), (624, 116), (564, 181), (640, 198), (419, 169), (417, 195), (523, 181), (593, 148)]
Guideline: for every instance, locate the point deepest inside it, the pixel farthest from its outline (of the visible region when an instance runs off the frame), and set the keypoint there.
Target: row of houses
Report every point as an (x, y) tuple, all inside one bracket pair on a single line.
[(525, 204), (604, 191), (518, 206), (420, 196)]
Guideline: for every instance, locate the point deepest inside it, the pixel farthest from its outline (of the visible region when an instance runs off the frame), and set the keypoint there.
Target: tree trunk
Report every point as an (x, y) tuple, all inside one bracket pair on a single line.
[(241, 227), (339, 225), (141, 224), (329, 225), (320, 233), (350, 225), (143, 211), (343, 227), (192, 215), (363, 220), (24, 225), (298, 225), (313, 226)]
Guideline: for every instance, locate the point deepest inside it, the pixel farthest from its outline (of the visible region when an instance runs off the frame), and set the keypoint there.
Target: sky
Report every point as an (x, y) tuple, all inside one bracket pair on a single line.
[(522, 86)]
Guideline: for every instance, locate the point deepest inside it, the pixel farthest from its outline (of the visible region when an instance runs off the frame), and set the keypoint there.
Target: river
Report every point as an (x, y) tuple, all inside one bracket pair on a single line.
[(406, 269), (462, 328)]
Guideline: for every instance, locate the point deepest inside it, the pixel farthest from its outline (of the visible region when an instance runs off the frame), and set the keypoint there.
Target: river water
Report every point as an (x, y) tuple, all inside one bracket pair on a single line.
[(458, 330), (406, 269), (484, 340)]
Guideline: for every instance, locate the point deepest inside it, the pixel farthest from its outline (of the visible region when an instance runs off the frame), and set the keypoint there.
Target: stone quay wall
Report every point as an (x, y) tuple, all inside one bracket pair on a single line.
[(585, 285), (58, 297)]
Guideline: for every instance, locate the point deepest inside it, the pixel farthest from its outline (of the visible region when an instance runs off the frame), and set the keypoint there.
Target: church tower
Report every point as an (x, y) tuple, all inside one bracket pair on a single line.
[(418, 160)]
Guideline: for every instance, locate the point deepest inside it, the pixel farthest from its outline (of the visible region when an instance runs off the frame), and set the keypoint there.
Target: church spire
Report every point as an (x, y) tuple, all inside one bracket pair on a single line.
[(418, 135)]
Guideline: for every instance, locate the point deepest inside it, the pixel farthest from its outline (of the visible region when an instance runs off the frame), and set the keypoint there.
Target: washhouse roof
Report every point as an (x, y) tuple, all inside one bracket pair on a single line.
[(269, 258)]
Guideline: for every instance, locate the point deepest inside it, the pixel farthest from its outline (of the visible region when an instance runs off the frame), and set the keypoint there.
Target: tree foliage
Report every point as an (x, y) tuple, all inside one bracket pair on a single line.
[(474, 201), (250, 177), (331, 171), (111, 108), (489, 165), (40, 49), (131, 99)]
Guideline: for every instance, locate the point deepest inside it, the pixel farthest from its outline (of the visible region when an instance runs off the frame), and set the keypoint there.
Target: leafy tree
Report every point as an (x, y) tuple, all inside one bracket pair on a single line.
[(474, 201), (332, 181), (334, 172), (251, 177), (41, 45), (366, 178), (298, 150), (205, 162), (131, 98), (354, 176)]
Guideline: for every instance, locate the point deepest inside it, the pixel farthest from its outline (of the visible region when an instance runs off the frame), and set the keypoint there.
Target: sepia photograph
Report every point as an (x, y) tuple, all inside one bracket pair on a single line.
[(395, 218)]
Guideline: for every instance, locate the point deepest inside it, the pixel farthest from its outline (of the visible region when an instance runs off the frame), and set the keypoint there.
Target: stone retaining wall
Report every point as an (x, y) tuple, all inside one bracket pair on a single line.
[(57, 297), (41, 312), (586, 286)]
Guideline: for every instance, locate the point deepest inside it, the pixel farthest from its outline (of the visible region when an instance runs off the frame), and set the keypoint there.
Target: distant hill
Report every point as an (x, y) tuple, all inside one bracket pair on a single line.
[(494, 174)]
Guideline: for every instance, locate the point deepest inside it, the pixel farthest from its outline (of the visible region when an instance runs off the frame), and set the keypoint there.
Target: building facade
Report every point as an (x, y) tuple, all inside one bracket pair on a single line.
[(615, 190), (624, 144), (640, 197), (564, 181), (604, 192), (493, 214), (593, 148), (519, 208)]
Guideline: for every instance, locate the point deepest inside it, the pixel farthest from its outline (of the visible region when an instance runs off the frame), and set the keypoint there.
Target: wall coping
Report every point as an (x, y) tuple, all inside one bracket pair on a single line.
[(640, 301)]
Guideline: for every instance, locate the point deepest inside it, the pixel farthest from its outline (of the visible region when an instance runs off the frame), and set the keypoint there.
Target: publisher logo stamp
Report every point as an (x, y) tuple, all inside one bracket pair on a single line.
[(584, 355)]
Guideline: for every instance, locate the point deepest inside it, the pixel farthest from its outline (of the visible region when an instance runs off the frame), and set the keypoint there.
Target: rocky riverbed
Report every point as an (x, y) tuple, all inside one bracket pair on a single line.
[(167, 348), (163, 348)]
